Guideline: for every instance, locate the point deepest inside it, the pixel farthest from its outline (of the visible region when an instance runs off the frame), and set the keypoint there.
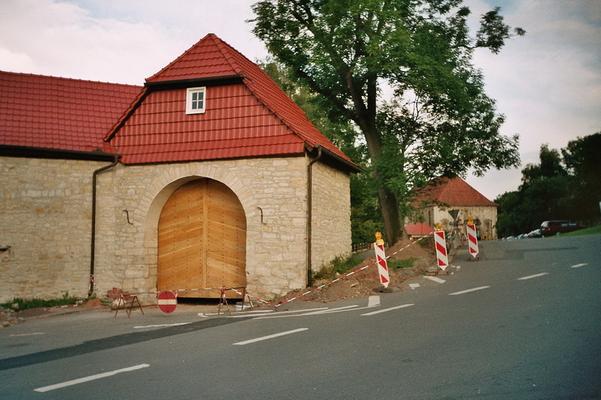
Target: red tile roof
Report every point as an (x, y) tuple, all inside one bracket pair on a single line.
[(59, 113), (248, 118), (419, 229), (452, 192)]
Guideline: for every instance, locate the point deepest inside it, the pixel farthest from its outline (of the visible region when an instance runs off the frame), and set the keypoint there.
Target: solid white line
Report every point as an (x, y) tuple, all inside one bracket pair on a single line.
[(525, 278), (414, 285), (279, 314), (331, 310), (275, 335), (373, 301), (90, 378), (161, 325), (27, 334), (434, 279), (579, 265), (469, 290), (386, 310)]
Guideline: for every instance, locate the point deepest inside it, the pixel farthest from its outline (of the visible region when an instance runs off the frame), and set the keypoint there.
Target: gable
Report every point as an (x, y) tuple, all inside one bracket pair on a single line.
[(246, 115), (235, 124)]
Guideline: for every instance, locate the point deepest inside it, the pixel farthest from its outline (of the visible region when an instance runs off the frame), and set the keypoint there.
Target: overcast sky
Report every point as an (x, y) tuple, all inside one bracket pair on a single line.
[(547, 83)]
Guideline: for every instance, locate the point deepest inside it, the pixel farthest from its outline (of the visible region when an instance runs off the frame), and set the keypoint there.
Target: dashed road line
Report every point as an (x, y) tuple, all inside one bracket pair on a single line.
[(525, 278), (27, 334), (579, 265), (434, 279), (373, 301), (469, 290), (386, 310), (89, 378), (275, 335)]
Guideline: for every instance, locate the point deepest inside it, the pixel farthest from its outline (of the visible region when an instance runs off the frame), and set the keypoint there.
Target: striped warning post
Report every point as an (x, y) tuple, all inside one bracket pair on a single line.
[(440, 243), (382, 264), (472, 240)]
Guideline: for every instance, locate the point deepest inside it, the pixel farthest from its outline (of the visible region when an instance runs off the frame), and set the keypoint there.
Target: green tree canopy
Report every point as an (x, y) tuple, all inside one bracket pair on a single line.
[(439, 120)]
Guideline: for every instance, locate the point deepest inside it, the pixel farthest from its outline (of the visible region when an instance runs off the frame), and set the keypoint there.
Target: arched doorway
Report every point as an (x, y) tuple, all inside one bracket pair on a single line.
[(202, 240)]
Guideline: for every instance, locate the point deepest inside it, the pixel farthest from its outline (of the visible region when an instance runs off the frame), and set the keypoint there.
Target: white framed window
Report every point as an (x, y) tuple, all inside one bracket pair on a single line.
[(196, 99)]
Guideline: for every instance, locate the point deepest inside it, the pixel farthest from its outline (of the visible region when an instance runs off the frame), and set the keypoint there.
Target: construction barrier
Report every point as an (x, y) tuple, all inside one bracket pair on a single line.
[(472, 240), (440, 244), (381, 260)]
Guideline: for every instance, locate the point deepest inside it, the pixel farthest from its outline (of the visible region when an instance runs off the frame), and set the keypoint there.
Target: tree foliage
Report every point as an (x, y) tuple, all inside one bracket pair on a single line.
[(563, 185), (439, 120)]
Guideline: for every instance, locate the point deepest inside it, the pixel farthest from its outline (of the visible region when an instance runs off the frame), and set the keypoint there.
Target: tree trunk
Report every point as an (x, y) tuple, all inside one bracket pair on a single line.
[(388, 201)]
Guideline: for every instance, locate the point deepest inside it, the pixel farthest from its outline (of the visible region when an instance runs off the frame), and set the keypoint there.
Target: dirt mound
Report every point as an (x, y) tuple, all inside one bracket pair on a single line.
[(364, 282)]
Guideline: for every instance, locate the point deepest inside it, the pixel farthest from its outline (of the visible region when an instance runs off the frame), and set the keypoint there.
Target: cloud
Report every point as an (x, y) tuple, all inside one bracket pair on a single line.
[(114, 41), (547, 83)]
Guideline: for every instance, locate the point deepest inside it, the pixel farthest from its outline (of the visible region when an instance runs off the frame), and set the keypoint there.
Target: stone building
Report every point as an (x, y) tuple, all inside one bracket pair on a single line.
[(207, 176), (436, 203)]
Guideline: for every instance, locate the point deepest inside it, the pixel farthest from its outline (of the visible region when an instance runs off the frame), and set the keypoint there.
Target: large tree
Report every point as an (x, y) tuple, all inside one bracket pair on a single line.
[(436, 118)]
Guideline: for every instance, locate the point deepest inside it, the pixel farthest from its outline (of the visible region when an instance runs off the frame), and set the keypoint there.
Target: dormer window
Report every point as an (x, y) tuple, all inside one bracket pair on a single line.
[(195, 100)]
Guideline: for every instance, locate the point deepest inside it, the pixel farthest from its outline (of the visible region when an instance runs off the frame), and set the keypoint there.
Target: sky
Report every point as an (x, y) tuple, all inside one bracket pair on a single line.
[(546, 83)]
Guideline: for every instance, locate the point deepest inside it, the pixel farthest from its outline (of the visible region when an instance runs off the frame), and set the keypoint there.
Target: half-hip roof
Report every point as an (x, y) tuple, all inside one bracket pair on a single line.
[(247, 114), (450, 191)]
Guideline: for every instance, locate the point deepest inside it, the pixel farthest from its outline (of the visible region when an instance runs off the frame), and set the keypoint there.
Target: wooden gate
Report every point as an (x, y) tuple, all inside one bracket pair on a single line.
[(202, 240)]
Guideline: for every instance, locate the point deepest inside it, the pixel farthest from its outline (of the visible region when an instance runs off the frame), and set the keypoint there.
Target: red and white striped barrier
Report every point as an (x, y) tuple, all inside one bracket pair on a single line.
[(440, 245), (382, 264), (320, 287), (472, 240)]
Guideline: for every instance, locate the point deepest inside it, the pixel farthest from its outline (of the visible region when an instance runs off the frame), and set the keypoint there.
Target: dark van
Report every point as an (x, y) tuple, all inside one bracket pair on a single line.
[(549, 228)]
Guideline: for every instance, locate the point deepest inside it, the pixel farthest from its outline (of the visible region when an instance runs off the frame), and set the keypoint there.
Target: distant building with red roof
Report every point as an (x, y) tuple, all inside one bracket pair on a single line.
[(206, 176), (436, 203)]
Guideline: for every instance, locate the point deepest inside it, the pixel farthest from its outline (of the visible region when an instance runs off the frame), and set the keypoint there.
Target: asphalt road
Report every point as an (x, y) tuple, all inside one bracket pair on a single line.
[(523, 322)]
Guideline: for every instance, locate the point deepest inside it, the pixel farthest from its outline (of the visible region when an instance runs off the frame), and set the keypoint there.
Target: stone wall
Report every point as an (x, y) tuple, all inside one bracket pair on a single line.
[(486, 215), (276, 245), (45, 218), (331, 227)]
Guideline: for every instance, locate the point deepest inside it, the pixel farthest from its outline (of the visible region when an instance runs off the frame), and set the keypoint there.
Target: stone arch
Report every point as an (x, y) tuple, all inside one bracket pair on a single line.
[(171, 178)]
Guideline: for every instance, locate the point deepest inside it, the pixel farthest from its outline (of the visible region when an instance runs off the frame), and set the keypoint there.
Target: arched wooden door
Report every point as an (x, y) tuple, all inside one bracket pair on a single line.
[(202, 240)]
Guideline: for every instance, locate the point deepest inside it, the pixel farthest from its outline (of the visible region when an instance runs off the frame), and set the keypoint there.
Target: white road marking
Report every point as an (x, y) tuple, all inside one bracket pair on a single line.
[(373, 301), (331, 310), (469, 290), (434, 279), (27, 334), (414, 285), (386, 310), (90, 378), (161, 325), (279, 314), (579, 265), (525, 278), (275, 335)]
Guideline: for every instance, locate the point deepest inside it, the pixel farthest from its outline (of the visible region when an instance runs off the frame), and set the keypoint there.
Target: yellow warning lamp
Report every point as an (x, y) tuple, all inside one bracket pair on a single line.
[(470, 220), (379, 240), (438, 226)]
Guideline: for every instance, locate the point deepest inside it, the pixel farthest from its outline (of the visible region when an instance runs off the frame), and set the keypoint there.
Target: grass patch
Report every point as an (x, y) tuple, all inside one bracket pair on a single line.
[(593, 230), (19, 304), (339, 265), (402, 264)]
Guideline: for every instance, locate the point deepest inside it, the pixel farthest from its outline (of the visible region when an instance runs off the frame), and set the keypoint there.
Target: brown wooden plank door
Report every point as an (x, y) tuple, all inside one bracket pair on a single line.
[(202, 240)]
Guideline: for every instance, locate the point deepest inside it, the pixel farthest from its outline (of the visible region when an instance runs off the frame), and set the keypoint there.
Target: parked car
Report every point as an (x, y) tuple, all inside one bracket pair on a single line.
[(535, 233), (549, 228)]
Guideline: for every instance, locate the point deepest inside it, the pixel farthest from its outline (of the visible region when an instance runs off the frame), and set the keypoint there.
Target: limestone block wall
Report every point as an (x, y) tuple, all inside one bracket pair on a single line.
[(486, 215), (276, 242), (331, 210), (45, 218)]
